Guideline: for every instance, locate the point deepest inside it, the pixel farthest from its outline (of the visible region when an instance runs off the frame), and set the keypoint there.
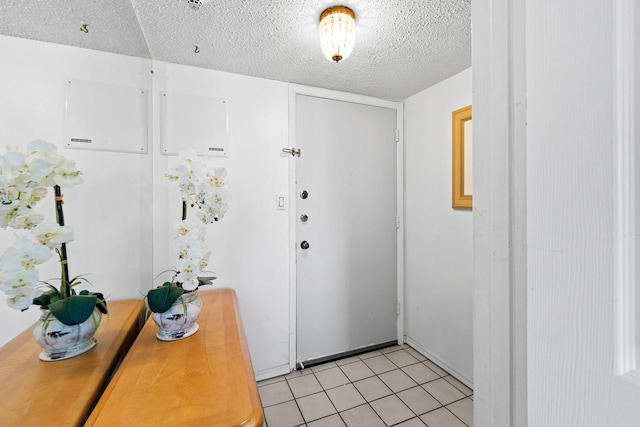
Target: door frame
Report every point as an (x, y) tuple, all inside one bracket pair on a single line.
[(295, 90), (626, 376), (500, 370)]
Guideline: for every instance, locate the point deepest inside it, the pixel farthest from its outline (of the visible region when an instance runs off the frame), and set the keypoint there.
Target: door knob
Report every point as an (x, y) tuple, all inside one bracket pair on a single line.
[(304, 194), (304, 217), (304, 244)]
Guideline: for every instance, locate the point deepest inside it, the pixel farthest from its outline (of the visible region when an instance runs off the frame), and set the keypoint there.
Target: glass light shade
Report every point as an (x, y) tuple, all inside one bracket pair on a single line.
[(337, 32)]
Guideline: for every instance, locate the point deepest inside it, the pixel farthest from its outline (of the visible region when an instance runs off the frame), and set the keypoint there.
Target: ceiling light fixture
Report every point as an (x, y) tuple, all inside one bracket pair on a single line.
[(337, 32), (197, 4)]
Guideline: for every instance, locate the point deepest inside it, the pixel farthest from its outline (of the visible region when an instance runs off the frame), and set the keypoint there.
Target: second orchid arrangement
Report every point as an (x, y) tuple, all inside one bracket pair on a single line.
[(203, 190)]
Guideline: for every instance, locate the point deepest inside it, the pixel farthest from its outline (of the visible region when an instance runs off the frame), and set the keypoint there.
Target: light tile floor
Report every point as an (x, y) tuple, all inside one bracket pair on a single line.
[(395, 386)]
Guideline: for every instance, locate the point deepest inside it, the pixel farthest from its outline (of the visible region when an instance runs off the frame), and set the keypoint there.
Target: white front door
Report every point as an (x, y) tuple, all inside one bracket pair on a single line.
[(346, 188)]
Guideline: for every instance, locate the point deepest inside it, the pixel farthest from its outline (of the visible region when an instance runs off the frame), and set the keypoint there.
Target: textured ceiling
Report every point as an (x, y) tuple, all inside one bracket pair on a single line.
[(402, 46)]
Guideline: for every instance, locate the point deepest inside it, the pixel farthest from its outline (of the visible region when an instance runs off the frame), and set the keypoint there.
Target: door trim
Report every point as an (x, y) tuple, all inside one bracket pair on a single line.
[(357, 99), (500, 371), (626, 378)]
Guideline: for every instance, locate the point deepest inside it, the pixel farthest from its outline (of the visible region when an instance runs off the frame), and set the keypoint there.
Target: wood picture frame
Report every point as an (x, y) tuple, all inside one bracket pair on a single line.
[(462, 189)]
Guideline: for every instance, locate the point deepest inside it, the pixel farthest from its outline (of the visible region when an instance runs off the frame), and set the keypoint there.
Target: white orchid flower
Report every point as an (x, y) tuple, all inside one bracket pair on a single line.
[(187, 156), (187, 268), (21, 301), (185, 248), (33, 195), (41, 148), (191, 284), (24, 254), (189, 245), (7, 194), (15, 284), (196, 251), (65, 174), (219, 176), (188, 274), (203, 261), (197, 179), (27, 221), (38, 170), (203, 192), (186, 227), (52, 235), (62, 171), (25, 170), (12, 212), (15, 160)]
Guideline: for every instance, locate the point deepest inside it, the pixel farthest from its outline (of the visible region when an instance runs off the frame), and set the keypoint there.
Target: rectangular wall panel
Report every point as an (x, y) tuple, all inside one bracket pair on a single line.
[(193, 121), (106, 117)]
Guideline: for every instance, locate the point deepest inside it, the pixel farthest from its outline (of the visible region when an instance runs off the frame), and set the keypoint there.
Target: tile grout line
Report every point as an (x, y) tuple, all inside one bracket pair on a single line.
[(366, 402), (393, 392), (451, 412), (295, 400), (377, 375), (396, 394), (465, 396), (325, 393)]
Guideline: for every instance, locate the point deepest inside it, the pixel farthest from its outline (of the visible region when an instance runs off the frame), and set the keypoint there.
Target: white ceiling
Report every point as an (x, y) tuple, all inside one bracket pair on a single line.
[(402, 46)]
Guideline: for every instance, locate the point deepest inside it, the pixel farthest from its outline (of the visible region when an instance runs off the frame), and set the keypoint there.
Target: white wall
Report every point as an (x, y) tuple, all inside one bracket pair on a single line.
[(121, 213), (438, 239), (250, 244), (109, 212)]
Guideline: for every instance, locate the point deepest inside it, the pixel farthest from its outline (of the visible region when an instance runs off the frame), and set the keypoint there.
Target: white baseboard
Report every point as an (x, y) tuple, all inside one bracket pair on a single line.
[(265, 374), (435, 359)]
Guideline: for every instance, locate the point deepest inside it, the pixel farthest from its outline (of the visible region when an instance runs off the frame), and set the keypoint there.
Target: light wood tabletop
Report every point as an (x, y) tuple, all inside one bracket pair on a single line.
[(63, 393), (204, 380)]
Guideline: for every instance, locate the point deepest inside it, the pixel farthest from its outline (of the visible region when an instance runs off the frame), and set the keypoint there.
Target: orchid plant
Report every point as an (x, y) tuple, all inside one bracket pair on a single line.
[(25, 178), (202, 188)]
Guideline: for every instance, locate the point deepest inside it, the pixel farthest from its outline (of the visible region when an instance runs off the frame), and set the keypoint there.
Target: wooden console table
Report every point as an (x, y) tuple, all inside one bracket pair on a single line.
[(206, 379), (62, 393)]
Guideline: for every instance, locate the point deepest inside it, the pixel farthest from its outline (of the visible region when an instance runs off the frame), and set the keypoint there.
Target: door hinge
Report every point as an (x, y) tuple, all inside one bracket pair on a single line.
[(397, 223), (397, 135), (397, 308)]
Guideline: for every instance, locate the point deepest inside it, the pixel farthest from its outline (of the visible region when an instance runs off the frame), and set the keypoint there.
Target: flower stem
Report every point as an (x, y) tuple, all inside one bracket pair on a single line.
[(184, 210), (65, 289)]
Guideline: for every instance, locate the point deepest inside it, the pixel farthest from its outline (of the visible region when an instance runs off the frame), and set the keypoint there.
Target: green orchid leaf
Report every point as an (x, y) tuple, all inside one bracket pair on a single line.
[(73, 310), (160, 299), (46, 298), (101, 304), (206, 280)]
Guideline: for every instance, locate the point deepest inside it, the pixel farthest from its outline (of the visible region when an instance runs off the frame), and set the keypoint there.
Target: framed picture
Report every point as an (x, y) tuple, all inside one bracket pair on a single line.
[(462, 155)]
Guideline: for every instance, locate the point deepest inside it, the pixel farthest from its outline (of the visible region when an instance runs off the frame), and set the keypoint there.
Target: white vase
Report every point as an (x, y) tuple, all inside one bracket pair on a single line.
[(179, 321), (60, 341)]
